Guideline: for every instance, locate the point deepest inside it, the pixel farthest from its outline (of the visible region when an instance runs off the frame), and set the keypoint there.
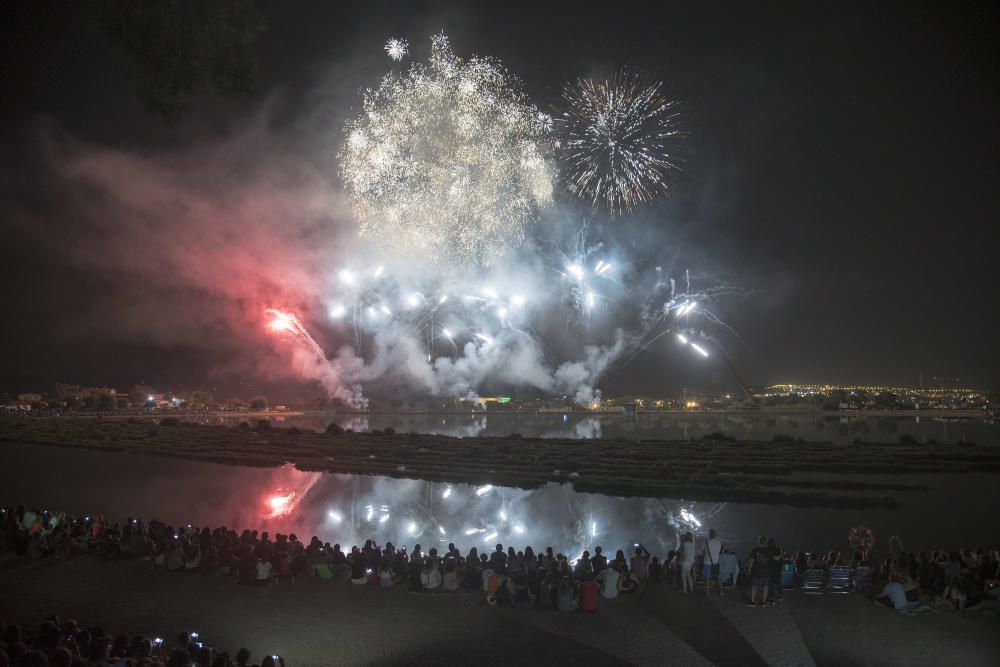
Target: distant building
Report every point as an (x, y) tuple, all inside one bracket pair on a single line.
[(161, 401)]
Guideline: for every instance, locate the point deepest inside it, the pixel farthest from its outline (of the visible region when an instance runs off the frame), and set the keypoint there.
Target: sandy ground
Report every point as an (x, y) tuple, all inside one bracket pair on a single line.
[(324, 622)]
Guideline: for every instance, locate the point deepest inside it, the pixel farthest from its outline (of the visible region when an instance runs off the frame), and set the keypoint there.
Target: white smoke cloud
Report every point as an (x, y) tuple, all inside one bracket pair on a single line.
[(199, 241)]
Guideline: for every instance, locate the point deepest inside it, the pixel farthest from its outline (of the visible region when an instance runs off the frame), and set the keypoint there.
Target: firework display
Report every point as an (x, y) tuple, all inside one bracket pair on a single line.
[(287, 322), (447, 160), (448, 168), (618, 140), (397, 49)]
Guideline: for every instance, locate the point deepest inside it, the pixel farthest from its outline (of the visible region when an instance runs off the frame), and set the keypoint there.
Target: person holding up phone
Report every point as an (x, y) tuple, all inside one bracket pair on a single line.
[(639, 563)]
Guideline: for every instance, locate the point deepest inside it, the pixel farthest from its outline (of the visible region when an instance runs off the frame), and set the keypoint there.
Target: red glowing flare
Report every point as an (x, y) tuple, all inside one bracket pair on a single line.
[(280, 504), (280, 321)]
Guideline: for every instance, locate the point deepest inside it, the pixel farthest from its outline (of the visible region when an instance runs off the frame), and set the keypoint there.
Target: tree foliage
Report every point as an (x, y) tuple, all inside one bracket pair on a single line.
[(201, 399)]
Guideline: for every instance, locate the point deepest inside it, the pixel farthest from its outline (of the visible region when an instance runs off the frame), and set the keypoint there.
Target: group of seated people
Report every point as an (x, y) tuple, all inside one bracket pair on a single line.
[(962, 580), (65, 643)]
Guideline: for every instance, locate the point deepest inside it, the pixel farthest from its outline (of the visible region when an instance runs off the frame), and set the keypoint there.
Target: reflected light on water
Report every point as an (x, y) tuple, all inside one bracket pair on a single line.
[(354, 508), (334, 506), (280, 504), (689, 518)]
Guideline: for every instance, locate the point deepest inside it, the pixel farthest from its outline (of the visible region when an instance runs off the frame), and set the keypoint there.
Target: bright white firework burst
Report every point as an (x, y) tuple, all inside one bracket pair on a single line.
[(397, 48), (448, 161), (619, 139)]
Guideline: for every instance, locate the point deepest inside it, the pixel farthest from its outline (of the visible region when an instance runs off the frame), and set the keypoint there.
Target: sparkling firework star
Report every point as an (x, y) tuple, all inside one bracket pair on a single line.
[(397, 49), (376, 300), (619, 139), (447, 161), (665, 310)]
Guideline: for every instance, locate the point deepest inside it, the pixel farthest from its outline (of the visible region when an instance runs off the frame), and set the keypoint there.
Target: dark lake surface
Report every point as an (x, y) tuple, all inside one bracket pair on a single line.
[(954, 510)]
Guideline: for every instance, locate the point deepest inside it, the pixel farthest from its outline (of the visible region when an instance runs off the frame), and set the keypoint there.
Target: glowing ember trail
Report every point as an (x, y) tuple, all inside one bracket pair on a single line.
[(287, 322)]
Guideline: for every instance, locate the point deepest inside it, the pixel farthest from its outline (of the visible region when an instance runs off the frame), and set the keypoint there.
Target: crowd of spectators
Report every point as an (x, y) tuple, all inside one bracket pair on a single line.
[(66, 643), (962, 580)]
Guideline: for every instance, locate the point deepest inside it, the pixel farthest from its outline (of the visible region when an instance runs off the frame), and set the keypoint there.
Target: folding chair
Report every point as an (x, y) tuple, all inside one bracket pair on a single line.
[(813, 581), (863, 577)]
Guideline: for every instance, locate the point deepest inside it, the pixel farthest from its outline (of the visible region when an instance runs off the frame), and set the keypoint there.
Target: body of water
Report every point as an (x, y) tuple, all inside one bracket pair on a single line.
[(351, 508)]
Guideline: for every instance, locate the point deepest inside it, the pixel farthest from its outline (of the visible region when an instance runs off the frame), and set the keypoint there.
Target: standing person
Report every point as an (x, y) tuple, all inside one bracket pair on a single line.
[(549, 559), (583, 566), (713, 551), (729, 568), (415, 570), (670, 569), (498, 560), (776, 554), (760, 573), (640, 563), (599, 561), (686, 562)]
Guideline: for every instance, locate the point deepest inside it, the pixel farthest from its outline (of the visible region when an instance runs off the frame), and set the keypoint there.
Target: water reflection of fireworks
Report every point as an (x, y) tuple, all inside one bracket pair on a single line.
[(352, 508), (290, 487)]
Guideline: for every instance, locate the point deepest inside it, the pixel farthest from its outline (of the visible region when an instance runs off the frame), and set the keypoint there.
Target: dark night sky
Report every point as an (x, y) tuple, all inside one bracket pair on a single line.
[(842, 164)]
